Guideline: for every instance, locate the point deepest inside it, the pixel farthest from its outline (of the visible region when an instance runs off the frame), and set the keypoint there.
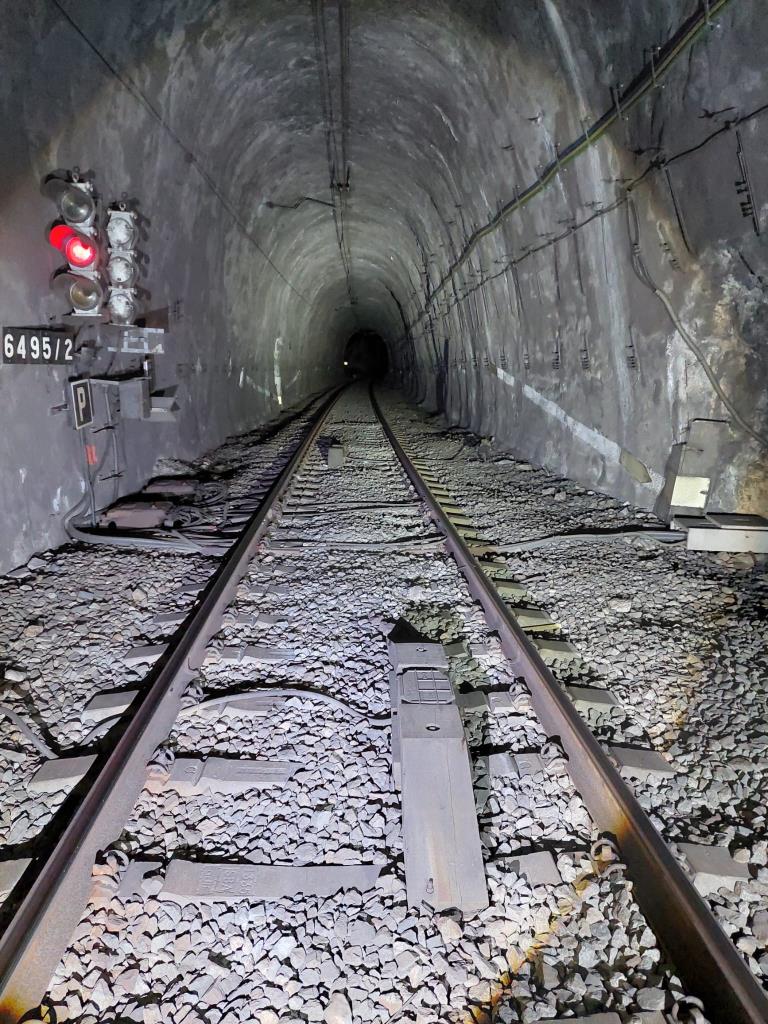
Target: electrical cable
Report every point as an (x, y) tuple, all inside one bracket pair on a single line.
[(290, 691), (644, 276), (646, 80), (631, 186), (90, 493), (459, 450), (111, 426), (336, 152), (299, 202), (78, 504), (564, 539), (176, 542)]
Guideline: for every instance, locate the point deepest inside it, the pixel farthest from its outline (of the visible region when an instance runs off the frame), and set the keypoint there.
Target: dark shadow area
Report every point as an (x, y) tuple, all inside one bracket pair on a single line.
[(365, 355)]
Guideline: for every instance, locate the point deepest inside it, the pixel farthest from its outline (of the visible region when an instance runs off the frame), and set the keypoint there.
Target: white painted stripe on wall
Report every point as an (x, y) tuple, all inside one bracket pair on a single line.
[(506, 377), (599, 442)]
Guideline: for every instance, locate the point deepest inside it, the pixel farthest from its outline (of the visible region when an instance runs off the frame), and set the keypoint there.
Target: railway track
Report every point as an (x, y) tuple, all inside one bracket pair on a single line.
[(293, 883)]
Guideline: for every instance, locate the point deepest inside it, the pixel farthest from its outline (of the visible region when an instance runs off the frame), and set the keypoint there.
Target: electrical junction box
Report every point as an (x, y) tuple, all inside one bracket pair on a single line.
[(135, 515), (135, 402)]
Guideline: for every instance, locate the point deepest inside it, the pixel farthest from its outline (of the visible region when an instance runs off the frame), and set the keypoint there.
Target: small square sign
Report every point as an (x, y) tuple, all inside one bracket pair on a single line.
[(82, 402)]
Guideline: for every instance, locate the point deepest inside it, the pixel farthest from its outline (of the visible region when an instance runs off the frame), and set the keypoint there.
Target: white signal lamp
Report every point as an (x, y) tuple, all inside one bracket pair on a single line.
[(121, 229), (123, 265), (122, 305), (122, 270)]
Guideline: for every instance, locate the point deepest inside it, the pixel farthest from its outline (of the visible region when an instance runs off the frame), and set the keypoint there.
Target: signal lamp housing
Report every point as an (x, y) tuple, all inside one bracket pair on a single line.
[(123, 266), (122, 305), (122, 271), (74, 200), (77, 237), (84, 294), (122, 231)]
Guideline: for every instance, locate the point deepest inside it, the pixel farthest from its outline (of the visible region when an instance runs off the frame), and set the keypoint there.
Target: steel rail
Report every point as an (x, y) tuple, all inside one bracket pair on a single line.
[(37, 935), (702, 955)]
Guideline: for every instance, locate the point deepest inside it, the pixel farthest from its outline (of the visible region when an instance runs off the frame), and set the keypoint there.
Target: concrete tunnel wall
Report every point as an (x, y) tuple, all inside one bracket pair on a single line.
[(217, 116)]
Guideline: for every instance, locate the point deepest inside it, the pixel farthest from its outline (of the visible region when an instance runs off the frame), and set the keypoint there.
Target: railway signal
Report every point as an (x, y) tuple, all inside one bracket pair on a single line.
[(75, 233), (123, 265)]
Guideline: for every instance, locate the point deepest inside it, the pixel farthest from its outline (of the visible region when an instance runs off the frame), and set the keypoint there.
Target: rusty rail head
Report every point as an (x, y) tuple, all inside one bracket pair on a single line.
[(702, 954)]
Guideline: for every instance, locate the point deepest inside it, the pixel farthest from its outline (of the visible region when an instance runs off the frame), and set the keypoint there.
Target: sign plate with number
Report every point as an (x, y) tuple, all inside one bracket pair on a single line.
[(29, 345)]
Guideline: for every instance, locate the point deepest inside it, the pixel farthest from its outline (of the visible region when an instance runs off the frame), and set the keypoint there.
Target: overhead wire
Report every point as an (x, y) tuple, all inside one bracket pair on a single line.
[(336, 143)]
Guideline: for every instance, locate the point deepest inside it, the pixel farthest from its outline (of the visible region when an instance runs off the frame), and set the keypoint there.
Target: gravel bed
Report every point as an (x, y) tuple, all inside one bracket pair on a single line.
[(535, 952), (70, 616), (679, 637)]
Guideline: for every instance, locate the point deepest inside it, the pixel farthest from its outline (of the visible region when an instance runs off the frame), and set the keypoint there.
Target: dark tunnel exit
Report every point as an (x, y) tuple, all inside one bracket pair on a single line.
[(365, 355)]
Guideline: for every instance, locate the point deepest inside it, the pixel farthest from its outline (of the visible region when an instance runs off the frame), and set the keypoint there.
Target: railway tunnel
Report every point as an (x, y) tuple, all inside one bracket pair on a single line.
[(303, 171), (337, 330)]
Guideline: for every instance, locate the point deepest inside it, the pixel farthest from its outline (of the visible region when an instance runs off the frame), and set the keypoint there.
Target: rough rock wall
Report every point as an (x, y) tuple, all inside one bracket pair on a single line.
[(230, 121), (196, 120), (568, 356)]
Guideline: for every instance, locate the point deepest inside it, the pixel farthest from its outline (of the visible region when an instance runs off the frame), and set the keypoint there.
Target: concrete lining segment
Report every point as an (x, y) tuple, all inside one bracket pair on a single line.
[(271, 270), (604, 446)]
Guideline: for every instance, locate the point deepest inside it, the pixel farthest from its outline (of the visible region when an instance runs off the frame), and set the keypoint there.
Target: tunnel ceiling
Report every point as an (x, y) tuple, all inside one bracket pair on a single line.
[(309, 168)]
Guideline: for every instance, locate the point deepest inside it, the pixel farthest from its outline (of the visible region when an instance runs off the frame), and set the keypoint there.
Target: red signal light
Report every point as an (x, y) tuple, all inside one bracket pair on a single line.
[(59, 235), (80, 252)]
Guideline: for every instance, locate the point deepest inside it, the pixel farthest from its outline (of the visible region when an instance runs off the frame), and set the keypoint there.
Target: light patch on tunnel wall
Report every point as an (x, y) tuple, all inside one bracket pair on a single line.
[(609, 449), (677, 386), (600, 167), (278, 379), (447, 124)]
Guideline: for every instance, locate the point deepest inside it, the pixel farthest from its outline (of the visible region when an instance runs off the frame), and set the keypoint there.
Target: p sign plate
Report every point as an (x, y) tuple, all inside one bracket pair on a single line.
[(82, 402)]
